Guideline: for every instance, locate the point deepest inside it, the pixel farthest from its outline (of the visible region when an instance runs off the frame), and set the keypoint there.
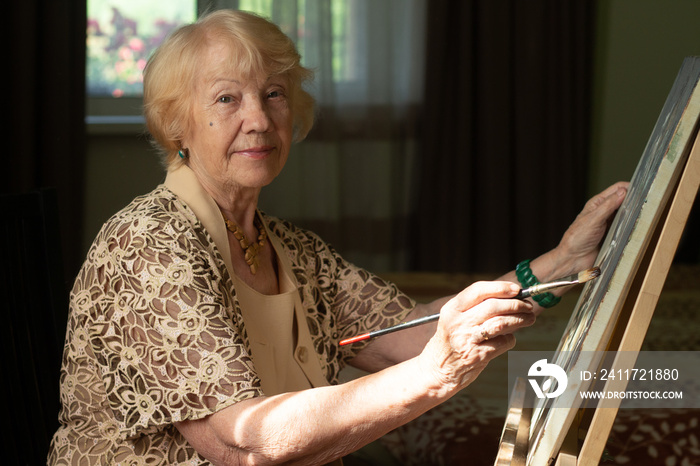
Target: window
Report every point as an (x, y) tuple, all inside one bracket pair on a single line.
[(121, 34)]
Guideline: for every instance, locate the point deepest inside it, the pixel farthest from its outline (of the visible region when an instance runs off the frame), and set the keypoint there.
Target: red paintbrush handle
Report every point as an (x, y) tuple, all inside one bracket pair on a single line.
[(347, 341)]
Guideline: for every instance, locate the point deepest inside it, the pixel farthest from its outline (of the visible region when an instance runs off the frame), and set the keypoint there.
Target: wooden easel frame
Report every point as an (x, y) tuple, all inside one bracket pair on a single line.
[(653, 280), (647, 289), (630, 332)]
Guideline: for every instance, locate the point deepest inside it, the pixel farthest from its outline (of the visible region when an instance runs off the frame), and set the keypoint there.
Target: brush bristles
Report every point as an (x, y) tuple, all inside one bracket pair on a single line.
[(590, 274)]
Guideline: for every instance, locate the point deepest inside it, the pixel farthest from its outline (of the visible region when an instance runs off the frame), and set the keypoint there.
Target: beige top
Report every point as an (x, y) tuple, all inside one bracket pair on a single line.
[(269, 320)]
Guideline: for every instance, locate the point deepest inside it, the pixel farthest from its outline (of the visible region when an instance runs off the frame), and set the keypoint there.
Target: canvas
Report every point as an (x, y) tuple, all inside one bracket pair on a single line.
[(595, 316)]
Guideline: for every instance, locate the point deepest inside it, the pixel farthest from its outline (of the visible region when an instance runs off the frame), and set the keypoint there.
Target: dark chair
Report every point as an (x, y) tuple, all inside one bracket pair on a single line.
[(33, 306)]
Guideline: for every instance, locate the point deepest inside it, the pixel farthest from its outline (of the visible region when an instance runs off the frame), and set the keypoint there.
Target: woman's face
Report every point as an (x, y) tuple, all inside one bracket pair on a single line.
[(241, 130)]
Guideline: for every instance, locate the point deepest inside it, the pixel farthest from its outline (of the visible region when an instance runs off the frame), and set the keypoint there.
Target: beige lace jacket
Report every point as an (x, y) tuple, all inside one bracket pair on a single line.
[(155, 334)]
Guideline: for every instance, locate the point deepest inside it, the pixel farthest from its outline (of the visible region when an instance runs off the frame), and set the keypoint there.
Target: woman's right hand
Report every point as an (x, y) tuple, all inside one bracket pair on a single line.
[(474, 327)]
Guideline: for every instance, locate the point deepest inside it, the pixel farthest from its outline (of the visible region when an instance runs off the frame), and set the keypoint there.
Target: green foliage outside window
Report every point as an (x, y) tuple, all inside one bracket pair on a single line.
[(121, 34)]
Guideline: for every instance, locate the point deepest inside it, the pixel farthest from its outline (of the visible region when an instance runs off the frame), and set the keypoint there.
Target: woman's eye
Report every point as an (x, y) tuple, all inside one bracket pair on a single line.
[(274, 94), (225, 99)]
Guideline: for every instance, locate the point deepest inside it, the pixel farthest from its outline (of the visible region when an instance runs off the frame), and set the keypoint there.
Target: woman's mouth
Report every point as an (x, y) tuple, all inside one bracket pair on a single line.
[(257, 152)]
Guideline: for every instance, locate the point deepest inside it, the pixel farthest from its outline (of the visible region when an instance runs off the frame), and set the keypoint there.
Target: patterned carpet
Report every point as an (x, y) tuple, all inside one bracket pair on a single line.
[(466, 430)]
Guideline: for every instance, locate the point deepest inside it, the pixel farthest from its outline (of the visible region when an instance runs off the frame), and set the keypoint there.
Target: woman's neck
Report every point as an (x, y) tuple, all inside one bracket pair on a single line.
[(237, 204)]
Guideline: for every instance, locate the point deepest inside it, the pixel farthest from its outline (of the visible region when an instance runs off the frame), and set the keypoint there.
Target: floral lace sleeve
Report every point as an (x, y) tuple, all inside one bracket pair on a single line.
[(161, 325), (341, 299), (366, 302)]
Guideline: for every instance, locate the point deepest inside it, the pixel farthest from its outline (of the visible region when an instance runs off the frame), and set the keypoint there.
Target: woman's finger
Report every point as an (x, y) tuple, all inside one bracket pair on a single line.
[(479, 292), (498, 345), (488, 320), (609, 194), (503, 325), (606, 203)]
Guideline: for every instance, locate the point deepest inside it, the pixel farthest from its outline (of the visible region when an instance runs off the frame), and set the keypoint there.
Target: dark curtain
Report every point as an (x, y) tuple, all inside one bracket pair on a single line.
[(41, 209), (45, 96), (506, 125), (34, 312)]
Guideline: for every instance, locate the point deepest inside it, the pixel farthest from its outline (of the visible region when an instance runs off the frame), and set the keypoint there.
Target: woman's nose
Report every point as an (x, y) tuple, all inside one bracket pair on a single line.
[(255, 116)]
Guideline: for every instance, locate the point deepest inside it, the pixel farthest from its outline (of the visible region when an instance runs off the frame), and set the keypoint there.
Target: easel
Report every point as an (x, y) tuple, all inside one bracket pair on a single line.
[(628, 336)]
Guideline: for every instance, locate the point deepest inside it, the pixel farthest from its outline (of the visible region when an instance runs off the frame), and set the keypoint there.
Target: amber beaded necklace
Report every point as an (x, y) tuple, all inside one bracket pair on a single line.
[(251, 249)]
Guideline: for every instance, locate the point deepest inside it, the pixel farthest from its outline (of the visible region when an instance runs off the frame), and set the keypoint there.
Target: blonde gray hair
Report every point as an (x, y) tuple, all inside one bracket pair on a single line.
[(258, 48)]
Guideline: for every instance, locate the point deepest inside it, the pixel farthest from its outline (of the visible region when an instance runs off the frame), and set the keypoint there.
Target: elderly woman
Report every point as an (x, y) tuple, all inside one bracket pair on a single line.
[(202, 330)]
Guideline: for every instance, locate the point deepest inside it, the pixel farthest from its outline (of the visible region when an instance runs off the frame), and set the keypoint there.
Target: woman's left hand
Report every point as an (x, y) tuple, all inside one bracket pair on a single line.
[(581, 242)]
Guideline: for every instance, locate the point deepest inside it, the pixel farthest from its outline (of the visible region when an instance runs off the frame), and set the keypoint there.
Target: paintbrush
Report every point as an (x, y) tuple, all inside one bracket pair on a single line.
[(575, 279), (581, 277)]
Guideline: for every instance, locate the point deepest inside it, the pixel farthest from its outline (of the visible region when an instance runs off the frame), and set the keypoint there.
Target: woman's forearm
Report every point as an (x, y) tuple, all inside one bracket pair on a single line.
[(318, 425)]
